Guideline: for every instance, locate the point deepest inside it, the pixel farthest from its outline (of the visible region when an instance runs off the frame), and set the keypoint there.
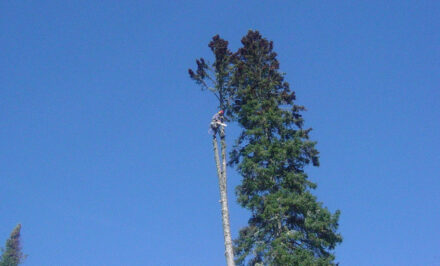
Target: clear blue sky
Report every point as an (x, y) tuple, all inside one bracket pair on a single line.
[(104, 152)]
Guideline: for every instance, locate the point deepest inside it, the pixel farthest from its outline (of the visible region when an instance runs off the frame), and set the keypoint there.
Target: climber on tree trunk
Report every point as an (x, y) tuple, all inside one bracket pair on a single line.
[(217, 120)]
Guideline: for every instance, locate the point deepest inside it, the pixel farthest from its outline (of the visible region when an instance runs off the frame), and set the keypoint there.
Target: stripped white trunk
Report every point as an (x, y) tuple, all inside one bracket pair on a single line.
[(221, 172)]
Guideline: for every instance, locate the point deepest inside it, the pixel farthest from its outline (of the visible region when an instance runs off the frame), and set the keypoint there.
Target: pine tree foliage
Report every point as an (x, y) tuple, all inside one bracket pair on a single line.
[(288, 226), (216, 76), (12, 256)]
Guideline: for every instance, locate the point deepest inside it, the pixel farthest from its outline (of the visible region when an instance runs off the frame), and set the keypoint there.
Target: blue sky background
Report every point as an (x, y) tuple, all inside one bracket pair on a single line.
[(105, 157)]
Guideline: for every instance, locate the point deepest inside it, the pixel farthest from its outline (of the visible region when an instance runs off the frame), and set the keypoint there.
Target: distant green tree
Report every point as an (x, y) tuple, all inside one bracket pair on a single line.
[(288, 226), (12, 255)]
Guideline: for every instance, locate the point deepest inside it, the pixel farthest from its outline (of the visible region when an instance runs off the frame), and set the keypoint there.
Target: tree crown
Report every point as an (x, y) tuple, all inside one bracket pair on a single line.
[(12, 255)]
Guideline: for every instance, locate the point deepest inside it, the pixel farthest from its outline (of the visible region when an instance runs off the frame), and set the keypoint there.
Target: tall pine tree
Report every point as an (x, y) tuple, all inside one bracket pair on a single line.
[(288, 226), (216, 78), (12, 256)]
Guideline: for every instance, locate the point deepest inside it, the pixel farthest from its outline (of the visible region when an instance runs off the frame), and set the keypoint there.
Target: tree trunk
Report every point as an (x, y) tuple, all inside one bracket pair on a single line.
[(221, 172)]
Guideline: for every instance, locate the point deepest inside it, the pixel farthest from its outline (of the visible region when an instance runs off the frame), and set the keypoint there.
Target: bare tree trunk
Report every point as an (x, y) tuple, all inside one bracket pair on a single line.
[(221, 172)]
